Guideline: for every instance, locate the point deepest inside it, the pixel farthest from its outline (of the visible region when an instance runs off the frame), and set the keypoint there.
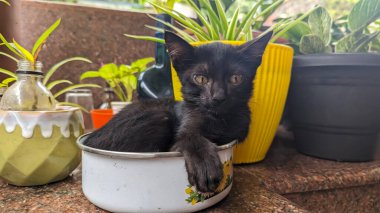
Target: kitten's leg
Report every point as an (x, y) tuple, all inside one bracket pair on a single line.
[(203, 165)]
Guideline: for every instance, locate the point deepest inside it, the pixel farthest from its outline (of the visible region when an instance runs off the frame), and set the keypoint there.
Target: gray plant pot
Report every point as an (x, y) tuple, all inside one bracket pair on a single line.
[(334, 102)]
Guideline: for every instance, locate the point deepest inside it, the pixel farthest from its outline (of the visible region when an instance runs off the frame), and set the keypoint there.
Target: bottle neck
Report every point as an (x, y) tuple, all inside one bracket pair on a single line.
[(26, 69), (162, 56), (28, 76)]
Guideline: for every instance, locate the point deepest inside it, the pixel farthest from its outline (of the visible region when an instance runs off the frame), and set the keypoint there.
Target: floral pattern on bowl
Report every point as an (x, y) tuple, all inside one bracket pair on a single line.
[(196, 197)]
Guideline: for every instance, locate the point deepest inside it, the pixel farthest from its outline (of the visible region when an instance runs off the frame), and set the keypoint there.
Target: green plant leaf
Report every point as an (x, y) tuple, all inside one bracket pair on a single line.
[(5, 2), (157, 29), (8, 80), (363, 13), (292, 24), (146, 38), (125, 70), (73, 105), (77, 86), (363, 44), (44, 37), (232, 26), (222, 15), (89, 74), (109, 71), (51, 85), (184, 34), (268, 9), (295, 33), (9, 46), (248, 18), (213, 34), (213, 17), (7, 72), (9, 56), (140, 65), (320, 24), (311, 44), (55, 67), (187, 22), (355, 42), (347, 43), (25, 52)]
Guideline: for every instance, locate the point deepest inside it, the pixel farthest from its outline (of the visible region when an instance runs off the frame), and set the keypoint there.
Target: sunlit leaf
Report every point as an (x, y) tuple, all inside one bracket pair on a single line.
[(77, 86), (5, 2), (9, 56), (89, 74), (55, 67), (7, 72), (147, 38), (51, 85), (43, 38), (9, 46), (141, 63), (109, 71), (73, 105), (25, 52), (8, 80)]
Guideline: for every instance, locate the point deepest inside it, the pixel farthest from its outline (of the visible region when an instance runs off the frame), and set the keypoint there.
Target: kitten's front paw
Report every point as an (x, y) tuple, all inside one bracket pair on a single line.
[(205, 171)]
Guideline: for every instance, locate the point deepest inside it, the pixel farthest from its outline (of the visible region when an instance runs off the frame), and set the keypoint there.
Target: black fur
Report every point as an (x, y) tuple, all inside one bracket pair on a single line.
[(212, 113)]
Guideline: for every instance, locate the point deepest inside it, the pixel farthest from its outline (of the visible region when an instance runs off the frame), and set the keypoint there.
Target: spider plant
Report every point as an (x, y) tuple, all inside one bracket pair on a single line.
[(51, 84), (216, 26), (23, 53), (32, 57)]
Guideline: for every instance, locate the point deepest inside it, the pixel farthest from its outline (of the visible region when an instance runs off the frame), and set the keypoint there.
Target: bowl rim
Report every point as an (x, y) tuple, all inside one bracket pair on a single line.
[(140, 155)]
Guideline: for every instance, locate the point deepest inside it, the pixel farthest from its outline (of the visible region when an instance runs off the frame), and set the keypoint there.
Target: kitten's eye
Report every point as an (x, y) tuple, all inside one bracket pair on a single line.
[(236, 79), (200, 79)]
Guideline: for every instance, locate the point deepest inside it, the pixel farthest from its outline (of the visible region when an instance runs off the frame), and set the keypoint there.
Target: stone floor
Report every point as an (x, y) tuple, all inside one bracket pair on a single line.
[(285, 181)]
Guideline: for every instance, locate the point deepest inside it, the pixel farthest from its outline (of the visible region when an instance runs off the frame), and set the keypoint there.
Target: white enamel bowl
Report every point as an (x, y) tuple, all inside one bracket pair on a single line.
[(146, 182)]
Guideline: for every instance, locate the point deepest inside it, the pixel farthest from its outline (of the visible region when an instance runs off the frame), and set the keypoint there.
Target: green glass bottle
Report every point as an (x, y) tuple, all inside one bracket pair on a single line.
[(156, 82)]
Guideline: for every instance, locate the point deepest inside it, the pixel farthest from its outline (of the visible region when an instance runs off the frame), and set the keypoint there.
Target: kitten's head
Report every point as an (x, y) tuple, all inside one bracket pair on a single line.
[(216, 76)]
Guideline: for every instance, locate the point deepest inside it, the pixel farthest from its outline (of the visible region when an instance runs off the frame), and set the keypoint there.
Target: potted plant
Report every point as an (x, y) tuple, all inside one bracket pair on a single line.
[(123, 81), (334, 96), (38, 138), (272, 78)]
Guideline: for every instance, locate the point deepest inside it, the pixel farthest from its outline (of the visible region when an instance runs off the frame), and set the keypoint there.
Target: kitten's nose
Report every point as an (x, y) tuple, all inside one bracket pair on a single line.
[(218, 97)]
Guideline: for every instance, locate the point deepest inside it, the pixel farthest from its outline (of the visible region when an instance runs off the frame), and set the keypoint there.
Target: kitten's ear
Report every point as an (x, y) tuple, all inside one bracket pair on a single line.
[(255, 48), (179, 50)]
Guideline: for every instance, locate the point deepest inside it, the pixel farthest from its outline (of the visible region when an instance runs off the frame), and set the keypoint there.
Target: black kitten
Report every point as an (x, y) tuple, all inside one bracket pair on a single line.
[(217, 84)]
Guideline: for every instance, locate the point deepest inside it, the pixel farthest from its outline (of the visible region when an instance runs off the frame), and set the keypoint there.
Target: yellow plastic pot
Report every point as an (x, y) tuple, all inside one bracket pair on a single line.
[(39, 147), (267, 103)]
